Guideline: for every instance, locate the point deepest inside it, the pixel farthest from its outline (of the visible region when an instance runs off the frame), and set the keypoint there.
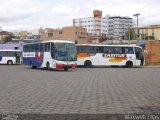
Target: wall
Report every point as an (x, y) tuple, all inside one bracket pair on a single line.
[(153, 49)]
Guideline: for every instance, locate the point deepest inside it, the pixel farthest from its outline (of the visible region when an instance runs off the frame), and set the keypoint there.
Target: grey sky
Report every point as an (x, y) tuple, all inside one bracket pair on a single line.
[(33, 14)]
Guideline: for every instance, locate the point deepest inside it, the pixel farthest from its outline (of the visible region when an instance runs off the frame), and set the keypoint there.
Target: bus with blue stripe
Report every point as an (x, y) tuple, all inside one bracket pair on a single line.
[(53, 54)]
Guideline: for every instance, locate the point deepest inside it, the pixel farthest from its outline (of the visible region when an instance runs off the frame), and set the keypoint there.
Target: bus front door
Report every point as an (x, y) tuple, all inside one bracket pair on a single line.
[(139, 56), (18, 58)]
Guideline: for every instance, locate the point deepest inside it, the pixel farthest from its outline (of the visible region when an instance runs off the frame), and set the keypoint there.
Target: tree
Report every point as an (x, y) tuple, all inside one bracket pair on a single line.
[(102, 38), (8, 38), (151, 37), (131, 34)]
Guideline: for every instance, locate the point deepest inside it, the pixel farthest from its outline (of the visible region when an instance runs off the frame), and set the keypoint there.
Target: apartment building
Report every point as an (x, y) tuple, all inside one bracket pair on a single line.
[(119, 26), (96, 25), (114, 27), (150, 32), (71, 33)]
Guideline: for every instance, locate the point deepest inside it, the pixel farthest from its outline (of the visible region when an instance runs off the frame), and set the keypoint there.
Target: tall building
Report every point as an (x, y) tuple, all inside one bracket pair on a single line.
[(96, 25), (108, 26), (119, 27), (71, 33)]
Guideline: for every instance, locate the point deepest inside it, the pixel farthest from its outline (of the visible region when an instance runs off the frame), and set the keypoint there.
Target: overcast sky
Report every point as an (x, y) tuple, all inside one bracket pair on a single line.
[(16, 15)]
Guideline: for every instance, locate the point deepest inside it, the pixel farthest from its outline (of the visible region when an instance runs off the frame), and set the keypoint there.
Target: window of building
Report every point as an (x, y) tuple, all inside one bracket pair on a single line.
[(50, 34)]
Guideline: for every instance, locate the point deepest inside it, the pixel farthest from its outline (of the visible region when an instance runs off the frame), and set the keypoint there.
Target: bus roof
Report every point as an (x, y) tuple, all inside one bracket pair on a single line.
[(54, 41), (9, 50), (126, 45)]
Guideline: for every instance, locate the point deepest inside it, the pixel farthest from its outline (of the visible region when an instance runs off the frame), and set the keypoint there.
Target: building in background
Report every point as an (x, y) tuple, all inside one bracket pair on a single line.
[(71, 33), (119, 27), (23, 33), (150, 32), (5, 36), (97, 26), (108, 27)]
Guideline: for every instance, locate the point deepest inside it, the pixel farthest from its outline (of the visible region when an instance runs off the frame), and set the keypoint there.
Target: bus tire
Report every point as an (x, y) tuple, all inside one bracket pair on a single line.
[(31, 65), (66, 69), (129, 64), (48, 66), (9, 62), (87, 64)]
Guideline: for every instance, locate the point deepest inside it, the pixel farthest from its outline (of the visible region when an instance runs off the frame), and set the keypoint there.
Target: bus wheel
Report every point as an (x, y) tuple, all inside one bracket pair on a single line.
[(48, 66), (88, 64), (9, 62), (66, 69), (31, 65), (129, 64)]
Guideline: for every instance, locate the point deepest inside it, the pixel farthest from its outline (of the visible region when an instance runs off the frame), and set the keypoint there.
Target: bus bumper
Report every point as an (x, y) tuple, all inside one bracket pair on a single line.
[(62, 66)]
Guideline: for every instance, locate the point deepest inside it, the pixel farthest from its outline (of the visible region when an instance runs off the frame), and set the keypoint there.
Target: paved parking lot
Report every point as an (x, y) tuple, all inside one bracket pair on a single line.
[(84, 90)]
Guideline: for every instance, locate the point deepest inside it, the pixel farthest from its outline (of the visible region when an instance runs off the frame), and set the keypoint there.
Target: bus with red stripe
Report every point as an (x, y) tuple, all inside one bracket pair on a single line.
[(53, 54)]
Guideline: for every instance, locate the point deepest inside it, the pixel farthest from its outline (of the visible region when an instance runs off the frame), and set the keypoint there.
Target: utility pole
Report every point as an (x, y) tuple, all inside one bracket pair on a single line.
[(136, 15)]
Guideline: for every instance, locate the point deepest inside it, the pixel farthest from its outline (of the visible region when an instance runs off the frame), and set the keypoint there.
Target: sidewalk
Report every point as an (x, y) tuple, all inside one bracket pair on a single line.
[(152, 65)]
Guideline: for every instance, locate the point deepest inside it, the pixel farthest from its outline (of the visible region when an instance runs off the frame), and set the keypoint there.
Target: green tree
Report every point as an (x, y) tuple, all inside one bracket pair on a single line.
[(131, 34), (8, 38), (151, 37)]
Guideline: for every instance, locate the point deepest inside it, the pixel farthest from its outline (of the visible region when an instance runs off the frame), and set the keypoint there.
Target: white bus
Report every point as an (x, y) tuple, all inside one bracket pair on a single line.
[(10, 57), (109, 55), (53, 54)]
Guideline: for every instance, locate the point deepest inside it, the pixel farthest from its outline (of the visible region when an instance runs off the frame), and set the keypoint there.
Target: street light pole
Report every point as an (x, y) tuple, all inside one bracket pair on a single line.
[(136, 15)]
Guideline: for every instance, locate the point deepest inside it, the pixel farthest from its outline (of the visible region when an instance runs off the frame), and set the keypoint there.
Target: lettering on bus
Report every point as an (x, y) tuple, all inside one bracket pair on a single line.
[(114, 55), (28, 54)]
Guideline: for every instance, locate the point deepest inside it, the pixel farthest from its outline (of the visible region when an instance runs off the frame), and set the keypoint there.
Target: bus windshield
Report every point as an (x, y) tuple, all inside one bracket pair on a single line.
[(64, 51)]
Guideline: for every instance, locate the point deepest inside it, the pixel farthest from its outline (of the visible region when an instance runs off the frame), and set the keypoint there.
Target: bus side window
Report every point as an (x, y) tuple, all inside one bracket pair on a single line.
[(78, 49), (105, 49), (100, 49), (131, 50), (93, 49), (110, 50), (36, 47), (118, 50), (88, 49), (53, 50), (1, 53), (47, 47), (41, 47), (126, 50)]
